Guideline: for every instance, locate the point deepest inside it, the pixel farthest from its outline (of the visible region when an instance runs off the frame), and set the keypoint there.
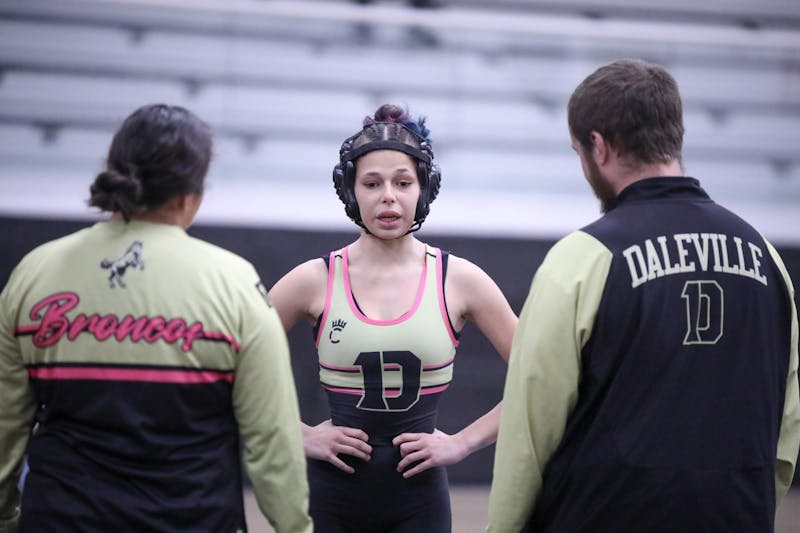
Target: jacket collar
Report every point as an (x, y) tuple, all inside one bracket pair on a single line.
[(658, 188)]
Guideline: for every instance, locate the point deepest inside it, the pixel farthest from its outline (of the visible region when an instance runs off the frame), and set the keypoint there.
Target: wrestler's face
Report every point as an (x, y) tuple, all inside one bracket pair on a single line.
[(387, 190)]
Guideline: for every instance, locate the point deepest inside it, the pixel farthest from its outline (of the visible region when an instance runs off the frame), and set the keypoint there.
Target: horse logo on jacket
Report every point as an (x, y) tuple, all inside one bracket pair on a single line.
[(131, 258)]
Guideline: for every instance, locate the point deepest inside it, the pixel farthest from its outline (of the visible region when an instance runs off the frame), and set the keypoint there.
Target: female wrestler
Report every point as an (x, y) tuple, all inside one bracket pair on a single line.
[(387, 311)]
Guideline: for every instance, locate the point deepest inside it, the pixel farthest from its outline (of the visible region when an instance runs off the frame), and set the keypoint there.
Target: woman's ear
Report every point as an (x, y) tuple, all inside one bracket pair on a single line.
[(186, 207)]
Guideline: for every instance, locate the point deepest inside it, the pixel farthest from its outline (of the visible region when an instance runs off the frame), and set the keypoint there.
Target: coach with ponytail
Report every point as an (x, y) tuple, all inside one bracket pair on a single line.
[(136, 362)]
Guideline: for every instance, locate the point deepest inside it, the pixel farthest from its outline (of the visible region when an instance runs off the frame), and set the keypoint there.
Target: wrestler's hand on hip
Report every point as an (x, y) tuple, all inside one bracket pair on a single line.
[(422, 451), (326, 441)]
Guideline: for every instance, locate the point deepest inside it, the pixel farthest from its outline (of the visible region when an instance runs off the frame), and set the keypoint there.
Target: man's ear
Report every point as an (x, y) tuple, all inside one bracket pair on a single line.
[(600, 148)]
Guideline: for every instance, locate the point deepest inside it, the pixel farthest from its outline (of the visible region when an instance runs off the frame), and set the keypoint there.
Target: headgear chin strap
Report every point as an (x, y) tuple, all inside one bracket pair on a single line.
[(386, 136)]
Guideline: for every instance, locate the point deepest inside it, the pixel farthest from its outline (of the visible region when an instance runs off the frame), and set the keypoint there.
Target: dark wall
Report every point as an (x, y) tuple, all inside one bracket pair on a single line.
[(479, 371)]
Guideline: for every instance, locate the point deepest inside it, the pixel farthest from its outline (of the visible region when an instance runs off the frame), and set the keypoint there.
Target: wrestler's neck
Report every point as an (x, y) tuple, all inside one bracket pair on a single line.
[(377, 251)]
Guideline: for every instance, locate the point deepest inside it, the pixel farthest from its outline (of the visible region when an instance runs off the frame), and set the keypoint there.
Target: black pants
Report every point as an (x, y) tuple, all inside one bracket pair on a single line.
[(376, 498)]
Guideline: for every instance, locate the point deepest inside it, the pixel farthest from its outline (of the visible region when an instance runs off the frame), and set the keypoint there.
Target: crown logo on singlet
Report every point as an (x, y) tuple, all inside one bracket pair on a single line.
[(336, 326), (116, 268)]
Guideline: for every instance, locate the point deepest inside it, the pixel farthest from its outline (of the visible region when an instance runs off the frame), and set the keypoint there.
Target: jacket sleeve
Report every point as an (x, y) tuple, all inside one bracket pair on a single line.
[(17, 410), (265, 402), (789, 438), (544, 369)]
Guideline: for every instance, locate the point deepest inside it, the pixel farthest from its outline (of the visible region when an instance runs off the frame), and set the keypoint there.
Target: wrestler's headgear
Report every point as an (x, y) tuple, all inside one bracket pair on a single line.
[(388, 136)]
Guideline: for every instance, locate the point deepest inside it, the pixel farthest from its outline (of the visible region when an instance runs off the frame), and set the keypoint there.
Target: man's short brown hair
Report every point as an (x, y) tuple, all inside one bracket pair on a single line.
[(635, 106)]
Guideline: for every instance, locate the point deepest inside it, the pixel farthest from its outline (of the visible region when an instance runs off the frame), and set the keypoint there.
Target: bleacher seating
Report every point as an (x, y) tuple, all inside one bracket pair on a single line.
[(283, 91)]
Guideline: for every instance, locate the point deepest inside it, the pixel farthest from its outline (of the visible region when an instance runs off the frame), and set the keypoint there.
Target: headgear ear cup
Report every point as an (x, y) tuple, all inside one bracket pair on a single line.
[(338, 183), (434, 182), (350, 203), (344, 174), (430, 179), (423, 205)]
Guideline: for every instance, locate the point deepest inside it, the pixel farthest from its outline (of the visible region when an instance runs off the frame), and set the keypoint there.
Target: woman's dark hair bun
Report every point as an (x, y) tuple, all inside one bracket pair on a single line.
[(114, 191), (391, 113)]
